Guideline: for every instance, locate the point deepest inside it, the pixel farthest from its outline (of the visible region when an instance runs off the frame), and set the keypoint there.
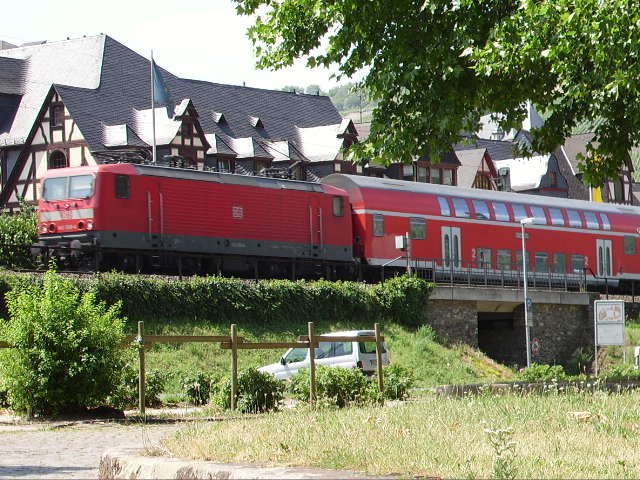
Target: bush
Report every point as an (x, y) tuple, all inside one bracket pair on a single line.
[(334, 385), (543, 373), (397, 381), (580, 361), (125, 395), (197, 386), (621, 372), (257, 392), (67, 351), (403, 299)]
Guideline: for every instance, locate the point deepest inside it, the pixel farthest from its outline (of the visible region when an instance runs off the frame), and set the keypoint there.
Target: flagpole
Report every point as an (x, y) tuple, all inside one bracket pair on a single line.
[(153, 111)]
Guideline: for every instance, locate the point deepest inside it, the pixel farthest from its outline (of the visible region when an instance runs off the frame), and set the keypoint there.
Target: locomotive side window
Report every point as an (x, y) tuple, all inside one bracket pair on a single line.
[(539, 217), (592, 221), (556, 216), (504, 259), (123, 186), (577, 263), (482, 209), (574, 219), (604, 219), (338, 206), (418, 228), (461, 207), (378, 225), (542, 262), (630, 245), (519, 212), (559, 262), (502, 214), (445, 211)]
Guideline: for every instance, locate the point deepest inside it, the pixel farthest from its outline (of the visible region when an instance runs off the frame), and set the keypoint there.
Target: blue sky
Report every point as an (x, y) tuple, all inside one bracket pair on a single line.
[(200, 39)]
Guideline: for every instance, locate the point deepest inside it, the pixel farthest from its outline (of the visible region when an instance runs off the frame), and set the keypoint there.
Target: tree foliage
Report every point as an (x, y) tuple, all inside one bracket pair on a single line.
[(436, 66), (18, 232)]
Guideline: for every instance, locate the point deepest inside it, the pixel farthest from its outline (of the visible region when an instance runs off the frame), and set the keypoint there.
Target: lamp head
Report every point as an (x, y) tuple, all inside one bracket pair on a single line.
[(527, 220)]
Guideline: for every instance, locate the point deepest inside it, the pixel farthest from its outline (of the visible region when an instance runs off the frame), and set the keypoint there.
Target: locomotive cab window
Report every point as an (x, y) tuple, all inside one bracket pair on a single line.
[(62, 188), (378, 225), (418, 228), (123, 186), (338, 206)]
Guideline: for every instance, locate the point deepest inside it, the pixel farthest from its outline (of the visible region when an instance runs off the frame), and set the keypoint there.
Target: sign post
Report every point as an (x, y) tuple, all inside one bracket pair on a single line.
[(608, 325)]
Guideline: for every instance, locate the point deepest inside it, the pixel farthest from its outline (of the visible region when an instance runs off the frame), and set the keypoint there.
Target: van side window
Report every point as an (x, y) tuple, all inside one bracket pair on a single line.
[(123, 186), (296, 355), (370, 347)]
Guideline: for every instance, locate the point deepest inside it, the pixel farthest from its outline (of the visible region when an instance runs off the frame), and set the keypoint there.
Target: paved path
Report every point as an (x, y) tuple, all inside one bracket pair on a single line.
[(71, 450)]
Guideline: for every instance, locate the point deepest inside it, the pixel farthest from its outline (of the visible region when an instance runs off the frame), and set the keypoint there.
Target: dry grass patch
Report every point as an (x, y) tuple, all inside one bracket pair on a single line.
[(447, 437)]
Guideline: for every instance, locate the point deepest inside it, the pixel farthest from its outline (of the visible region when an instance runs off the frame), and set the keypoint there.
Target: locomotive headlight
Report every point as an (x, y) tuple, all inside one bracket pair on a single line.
[(89, 224)]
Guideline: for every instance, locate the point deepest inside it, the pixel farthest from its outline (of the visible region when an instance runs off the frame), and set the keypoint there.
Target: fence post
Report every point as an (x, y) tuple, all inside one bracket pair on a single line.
[(376, 327), (312, 364), (141, 376), (234, 365)]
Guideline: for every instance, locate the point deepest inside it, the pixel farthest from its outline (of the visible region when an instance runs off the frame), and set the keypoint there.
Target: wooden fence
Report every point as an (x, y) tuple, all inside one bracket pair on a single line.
[(235, 343)]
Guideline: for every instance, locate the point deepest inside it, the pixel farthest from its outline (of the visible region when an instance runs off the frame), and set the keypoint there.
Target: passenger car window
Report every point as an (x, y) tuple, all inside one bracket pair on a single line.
[(482, 209), (461, 207), (504, 259), (418, 228), (592, 221), (123, 186), (378, 225), (559, 262), (519, 212), (444, 207), (500, 209), (296, 355), (542, 262), (539, 217), (604, 218), (577, 263), (556, 216), (574, 219)]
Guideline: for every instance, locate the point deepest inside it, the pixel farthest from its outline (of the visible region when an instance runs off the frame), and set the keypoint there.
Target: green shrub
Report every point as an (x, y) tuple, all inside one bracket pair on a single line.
[(66, 351), (125, 395), (403, 299), (397, 381), (257, 392), (580, 361), (197, 386), (18, 232), (542, 373), (334, 385), (621, 372)]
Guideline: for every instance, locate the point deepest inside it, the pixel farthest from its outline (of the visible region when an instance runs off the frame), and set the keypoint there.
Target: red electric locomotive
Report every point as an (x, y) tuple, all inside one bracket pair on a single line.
[(471, 234), (141, 217)]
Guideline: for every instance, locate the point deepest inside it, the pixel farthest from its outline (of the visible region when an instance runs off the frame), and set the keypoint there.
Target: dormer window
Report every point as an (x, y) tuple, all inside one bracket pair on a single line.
[(186, 130), (57, 115), (256, 122), (219, 118)]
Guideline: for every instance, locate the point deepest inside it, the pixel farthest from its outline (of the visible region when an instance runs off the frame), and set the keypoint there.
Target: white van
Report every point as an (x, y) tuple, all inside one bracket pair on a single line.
[(354, 354)]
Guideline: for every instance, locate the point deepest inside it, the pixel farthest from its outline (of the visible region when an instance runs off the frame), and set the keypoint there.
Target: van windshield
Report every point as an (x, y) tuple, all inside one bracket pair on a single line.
[(370, 347), (62, 188)]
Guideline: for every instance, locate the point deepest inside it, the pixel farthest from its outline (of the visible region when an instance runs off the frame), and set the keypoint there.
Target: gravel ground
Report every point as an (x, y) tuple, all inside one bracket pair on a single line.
[(71, 449)]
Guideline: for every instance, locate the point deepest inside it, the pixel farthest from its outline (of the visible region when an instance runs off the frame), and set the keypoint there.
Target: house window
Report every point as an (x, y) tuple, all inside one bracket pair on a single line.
[(57, 115), (423, 174), (123, 186), (418, 228), (378, 225), (338, 206), (186, 130), (436, 175), (407, 172), (447, 176), (337, 167), (57, 159)]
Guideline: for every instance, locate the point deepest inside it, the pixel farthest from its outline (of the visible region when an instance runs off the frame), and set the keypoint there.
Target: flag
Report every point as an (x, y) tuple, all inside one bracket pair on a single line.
[(160, 92)]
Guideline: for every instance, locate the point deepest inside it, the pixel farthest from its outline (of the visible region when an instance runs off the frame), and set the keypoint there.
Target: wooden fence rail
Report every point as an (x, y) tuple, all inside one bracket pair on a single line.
[(234, 343)]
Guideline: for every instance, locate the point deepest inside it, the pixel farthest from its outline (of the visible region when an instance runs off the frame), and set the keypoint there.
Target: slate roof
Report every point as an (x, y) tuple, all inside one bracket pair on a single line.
[(104, 84)]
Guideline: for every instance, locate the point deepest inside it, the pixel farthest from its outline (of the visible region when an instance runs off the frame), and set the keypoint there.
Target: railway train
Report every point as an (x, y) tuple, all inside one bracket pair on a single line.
[(151, 218)]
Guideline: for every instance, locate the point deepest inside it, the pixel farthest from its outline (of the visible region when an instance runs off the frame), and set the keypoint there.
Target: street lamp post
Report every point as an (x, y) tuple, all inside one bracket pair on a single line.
[(523, 222)]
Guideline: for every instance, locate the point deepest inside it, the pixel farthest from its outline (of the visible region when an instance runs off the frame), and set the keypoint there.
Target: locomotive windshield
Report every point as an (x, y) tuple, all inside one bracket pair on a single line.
[(62, 188)]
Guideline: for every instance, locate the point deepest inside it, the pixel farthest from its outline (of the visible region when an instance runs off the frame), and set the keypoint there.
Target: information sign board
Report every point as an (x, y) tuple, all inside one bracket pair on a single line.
[(609, 322)]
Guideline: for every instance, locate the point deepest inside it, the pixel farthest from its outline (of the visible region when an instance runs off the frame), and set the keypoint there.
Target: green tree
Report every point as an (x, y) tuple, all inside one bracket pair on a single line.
[(436, 66), (18, 232), (66, 351)]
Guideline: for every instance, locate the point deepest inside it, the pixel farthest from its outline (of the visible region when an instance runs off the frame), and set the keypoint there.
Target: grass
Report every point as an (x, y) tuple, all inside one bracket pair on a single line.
[(569, 435), (431, 362)]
